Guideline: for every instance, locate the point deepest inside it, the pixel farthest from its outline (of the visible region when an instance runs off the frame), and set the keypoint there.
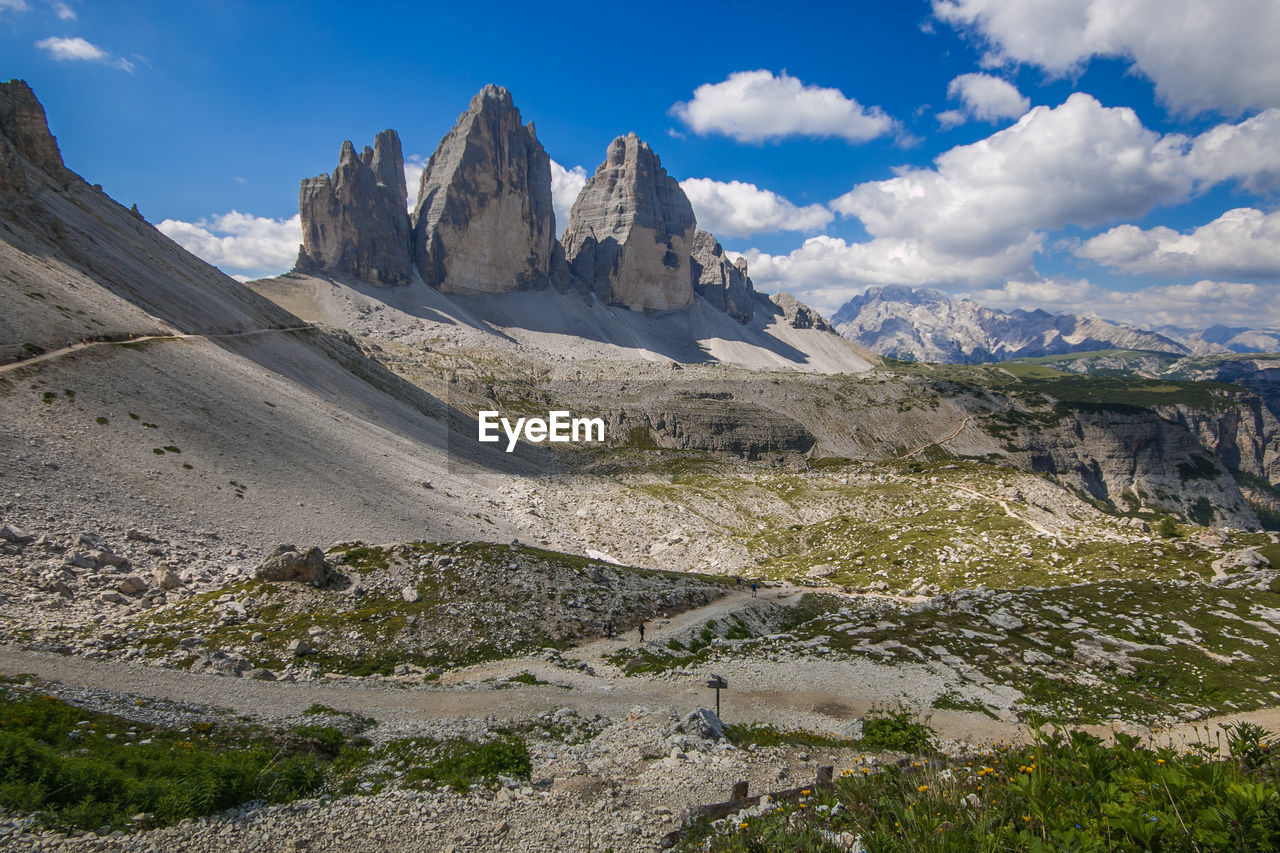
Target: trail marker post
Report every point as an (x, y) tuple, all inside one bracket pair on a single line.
[(717, 683)]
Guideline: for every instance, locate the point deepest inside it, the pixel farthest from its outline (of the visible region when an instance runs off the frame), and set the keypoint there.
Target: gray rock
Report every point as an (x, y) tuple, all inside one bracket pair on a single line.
[(484, 221), (24, 134), (355, 221), (132, 585), (259, 674), (300, 648), (722, 283), (796, 314), (166, 578), (106, 557), (17, 535), (631, 232), (287, 564), (410, 594), (701, 723)]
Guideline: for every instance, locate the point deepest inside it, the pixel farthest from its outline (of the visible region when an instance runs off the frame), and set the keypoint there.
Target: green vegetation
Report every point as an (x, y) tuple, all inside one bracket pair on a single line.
[(526, 677), (85, 769), (100, 421), (461, 763), (1065, 792), (897, 729), (766, 735)]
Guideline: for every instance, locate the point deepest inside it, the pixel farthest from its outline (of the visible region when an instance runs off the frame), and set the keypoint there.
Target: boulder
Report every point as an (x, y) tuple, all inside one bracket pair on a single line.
[(167, 578), (723, 283), (355, 221), (16, 535), (132, 585), (300, 648), (700, 723), (484, 221), (410, 594), (286, 563), (631, 232)]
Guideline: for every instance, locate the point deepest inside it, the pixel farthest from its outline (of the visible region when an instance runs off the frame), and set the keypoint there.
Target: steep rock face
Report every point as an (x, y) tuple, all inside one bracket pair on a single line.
[(927, 325), (797, 314), (355, 221), (484, 222), (631, 232), (723, 283), (24, 133)]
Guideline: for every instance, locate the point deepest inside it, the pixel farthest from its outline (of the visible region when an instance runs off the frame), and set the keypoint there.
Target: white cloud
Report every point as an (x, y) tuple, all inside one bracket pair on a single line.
[(738, 209), (984, 98), (1247, 151), (12, 6), (1241, 243), (1196, 306), (1202, 56), (414, 166), (64, 12), (826, 271), (754, 106), (240, 244), (1079, 163), (565, 186), (78, 50)]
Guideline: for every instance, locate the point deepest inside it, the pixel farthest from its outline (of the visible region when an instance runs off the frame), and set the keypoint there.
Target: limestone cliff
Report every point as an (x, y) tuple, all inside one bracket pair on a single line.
[(723, 283), (484, 222), (631, 232), (355, 221)]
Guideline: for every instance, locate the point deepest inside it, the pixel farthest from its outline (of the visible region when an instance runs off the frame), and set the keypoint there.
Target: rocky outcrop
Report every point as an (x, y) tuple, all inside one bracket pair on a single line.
[(927, 325), (484, 222), (24, 134), (723, 283), (712, 421), (631, 232), (796, 314), (286, 564), (355, 221)]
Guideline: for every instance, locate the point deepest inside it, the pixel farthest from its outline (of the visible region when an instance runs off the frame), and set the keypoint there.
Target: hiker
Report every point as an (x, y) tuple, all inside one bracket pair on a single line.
[(608, 628), (642, 630), (753, 589)]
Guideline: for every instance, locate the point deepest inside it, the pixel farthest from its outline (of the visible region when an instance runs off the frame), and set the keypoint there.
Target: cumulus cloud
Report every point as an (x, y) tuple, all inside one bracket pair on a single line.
[(1078, 163), (1218, 56), (12, 6), (1195, 306), (64, 12), (78, 50), (984, 98), (565, 186), (240, 244), (738, 209), (414, 165), (1241, 243), (1246, 151), (825, 271), (755, 106)]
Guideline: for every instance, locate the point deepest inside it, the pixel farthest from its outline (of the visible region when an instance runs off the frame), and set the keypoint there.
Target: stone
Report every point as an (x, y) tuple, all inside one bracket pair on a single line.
[(132, 585), (355, 221), (410, 594), (106, 557), (631, 232), (722, 283), (17, 535), (167, 578), (287, 564), (113, 598), (135, 535), (300, 648), (701, 723), (259, 674), (484, 221)]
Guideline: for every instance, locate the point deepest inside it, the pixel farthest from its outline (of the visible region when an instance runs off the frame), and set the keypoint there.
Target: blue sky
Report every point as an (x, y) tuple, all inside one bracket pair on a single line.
[(1117, 156)]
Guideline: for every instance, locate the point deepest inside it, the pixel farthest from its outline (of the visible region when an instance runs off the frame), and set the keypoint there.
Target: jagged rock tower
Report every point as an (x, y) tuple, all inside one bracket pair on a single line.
[(722, 283), (631, 231), (355, 221), (24, 133), (484, 221)]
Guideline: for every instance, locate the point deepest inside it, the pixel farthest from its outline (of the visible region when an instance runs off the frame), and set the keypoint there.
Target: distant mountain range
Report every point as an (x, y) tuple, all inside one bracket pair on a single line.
[(927, 325)]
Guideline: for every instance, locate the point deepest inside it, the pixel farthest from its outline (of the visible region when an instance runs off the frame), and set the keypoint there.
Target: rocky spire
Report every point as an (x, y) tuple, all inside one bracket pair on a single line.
[(722, 283), (484, 221), (354, 221), (24, 133), (631, 231)]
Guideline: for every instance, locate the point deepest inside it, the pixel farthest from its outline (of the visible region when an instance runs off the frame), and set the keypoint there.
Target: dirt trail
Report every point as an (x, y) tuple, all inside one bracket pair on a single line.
[(964, 423), (172, 336)]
